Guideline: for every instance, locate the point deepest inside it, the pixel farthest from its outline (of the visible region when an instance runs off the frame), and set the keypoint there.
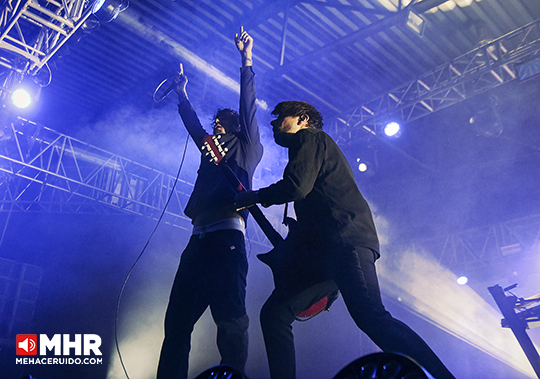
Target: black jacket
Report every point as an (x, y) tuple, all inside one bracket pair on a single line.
[(212, 188), (328, 204)]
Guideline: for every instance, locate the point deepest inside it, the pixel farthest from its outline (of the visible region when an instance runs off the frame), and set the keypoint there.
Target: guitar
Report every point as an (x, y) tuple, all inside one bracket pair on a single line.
[(216, 153)]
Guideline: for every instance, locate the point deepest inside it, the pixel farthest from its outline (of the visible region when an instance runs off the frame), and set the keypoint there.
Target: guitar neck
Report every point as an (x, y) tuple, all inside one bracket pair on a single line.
[(212, 147), (273, 236)]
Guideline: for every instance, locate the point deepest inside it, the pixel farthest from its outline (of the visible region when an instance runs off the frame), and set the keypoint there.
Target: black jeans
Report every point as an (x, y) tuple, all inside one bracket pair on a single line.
[(212, 272), (352, 270)]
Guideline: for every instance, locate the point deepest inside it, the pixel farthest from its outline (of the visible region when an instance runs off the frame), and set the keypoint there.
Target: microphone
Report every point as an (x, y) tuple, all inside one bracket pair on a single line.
[(169, 89)]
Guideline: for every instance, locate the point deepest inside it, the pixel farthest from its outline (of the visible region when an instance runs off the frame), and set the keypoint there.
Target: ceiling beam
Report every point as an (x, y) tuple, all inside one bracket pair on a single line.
[(475, 72), (395, 19)]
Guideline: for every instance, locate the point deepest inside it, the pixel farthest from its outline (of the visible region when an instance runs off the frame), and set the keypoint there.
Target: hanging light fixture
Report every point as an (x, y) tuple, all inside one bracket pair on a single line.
[(25, 93), (107, 10)]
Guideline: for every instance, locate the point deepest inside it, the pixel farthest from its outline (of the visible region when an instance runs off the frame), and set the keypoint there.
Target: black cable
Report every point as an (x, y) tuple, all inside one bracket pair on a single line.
[(140, 255)]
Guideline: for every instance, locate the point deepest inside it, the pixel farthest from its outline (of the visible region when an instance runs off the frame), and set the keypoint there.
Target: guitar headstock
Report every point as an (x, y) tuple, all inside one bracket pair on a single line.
[(215, 151)]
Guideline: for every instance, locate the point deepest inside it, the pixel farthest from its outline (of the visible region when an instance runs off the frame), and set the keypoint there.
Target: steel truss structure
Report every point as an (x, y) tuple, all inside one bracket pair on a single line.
[(20, 284), (474, 247), (42, 170), (45, 171), (33, 31), (478, 71)]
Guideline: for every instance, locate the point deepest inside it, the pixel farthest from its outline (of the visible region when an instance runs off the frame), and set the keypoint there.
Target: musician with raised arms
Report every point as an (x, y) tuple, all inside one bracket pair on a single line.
[(213, 267), (335, 245)]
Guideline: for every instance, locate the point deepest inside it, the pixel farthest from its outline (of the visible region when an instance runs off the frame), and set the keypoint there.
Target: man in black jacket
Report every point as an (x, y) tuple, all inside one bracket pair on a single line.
[(336, 245), (213, 267)]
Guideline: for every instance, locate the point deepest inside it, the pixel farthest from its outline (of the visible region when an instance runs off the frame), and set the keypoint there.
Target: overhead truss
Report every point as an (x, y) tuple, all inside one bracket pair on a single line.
[(42, 170), (515, 238), (32, 31), (478, 71)]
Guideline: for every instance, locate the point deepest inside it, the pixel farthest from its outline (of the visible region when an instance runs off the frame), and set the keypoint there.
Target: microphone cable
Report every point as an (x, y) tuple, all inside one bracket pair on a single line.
[(139, 257)]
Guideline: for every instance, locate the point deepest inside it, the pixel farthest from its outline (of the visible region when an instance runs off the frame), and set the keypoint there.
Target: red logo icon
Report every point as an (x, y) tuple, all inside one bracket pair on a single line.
[(26, 344)]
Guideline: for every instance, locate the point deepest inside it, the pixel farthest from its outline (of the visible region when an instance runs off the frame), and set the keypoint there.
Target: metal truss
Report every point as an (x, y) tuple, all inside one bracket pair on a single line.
[(482, 245), (19, 283), (44, 171), (475, 72), (32, 31)]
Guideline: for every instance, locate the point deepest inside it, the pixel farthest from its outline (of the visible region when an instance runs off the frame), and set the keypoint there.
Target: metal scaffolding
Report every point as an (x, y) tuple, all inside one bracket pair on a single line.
[(45, 171), (33, 31), (474, 247), (478, 71), (42, 170)]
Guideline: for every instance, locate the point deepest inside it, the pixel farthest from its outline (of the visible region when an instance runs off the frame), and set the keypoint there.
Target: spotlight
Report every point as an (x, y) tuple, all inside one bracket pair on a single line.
[(108, 10), (25, 93), (383, 366), (416, 23), (21, 98), (462, 280), (364, 166), (392, 129)]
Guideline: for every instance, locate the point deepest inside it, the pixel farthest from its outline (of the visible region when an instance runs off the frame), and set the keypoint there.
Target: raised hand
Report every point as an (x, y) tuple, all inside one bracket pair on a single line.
[(244, 44), (181, 82)]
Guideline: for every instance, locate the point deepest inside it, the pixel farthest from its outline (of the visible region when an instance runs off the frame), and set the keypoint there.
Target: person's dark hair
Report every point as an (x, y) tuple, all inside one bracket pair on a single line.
[(299, 108), (230, 116)]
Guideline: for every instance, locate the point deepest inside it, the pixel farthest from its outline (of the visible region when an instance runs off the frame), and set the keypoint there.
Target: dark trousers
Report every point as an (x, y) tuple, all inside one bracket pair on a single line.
[(212, 272), (352, 270)]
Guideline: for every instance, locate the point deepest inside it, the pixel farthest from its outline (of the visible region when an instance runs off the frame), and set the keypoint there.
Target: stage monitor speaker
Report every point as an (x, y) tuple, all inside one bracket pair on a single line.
[(221, 372), (383, 366)]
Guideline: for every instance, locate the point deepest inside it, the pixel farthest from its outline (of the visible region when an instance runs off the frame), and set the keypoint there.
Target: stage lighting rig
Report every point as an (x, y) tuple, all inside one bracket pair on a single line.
[(25, 93), (31, 32)]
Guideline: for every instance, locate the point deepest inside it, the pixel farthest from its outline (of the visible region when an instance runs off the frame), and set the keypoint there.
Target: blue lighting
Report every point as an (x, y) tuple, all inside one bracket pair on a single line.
[(462, 280)]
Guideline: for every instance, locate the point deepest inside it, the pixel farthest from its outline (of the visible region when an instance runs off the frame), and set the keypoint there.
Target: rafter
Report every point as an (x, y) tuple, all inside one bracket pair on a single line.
[(475, 72)]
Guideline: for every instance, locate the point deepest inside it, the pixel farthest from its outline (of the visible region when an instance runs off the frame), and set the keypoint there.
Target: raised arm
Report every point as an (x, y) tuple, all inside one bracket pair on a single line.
[(248, 96), (188, 114)]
